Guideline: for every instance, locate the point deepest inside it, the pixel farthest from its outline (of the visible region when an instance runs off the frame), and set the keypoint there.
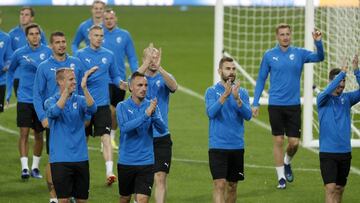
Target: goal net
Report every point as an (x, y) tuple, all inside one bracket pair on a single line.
[(248, 31)]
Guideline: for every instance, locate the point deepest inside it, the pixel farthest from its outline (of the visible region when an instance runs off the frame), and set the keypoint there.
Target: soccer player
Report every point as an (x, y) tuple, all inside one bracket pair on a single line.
[(27, 59), (120, 43), (160, 85), (18, 37), (137, 117), (95, 55), (227, 106), (67, 112), (5, 54), (45, 86), (82, 33), (334, 108), (285, 64)]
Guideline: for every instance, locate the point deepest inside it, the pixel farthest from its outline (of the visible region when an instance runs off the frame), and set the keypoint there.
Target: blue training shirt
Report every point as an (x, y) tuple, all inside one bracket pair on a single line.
[(98, 82), (136, 132), (5, 55), (120, 43), (285, 70), (82, 34), (158, 89), (226, 121), (18, 40), (45, 84), (334, 116), (67, 127), (27, 60)]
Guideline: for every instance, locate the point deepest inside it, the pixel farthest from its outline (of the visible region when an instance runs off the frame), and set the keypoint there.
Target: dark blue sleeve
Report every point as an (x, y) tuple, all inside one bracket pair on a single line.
[(261, 79), (39, 93), (158, 121), (131, 55), (213, 106), (51, 108), (127, 125), (326, 93), (310, 56)]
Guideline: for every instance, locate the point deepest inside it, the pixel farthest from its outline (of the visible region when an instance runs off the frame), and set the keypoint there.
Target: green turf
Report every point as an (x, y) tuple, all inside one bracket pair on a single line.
[(187, 42)]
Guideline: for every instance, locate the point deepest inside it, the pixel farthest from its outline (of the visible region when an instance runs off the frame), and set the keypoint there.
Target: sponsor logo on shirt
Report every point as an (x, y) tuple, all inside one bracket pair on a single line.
[(17, 38), (75, 105), (158, 83), (27, 58), (292, 57), (218, 94), (118, 40), (104, 60), (1, 44), (130, 111), (42, 56), (275, 58), (88, 60), (53, 69)]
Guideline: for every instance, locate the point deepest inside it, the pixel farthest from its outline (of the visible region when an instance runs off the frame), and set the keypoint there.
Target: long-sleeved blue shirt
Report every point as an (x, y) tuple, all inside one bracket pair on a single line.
[(67, 126), (226, 121), (18, 40), (136, 132), (98, 82), (82, 34), (5, 55), (334, 116), (27, 60), (285, 70), (120, 43), (158, 89), (45, 81)]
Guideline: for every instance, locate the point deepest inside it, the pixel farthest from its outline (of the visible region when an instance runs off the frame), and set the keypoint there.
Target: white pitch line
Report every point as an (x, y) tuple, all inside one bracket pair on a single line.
[(258, 122)]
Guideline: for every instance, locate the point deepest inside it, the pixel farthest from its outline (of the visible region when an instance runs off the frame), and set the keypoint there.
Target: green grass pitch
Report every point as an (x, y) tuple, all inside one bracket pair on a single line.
[(186, 39)]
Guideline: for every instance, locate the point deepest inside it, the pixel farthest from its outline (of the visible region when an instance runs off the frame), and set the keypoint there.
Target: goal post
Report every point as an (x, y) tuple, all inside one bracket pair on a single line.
[(245, 32)]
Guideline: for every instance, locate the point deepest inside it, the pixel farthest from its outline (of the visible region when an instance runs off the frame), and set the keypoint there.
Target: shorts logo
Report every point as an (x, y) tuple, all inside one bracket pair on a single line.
[(167, 165), (118, 40), (1, 44), (292, 57), (72, 65), (42, 56), (104, 60), (75, 105)]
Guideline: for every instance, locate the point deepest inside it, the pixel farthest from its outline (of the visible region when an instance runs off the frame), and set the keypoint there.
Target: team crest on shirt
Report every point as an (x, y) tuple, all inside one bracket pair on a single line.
[(118, 40), (292, 57), (1, 44), (42, 56), (75, 105), (104, 60), (158, 83), (342, 101), (72, 65)]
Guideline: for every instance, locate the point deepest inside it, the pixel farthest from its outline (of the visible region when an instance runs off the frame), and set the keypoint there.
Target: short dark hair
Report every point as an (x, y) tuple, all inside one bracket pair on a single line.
[(282, 26), (32, 25), (56, 34), (95, 27), (333, 72), (225, 59), (32, 12), (110, 10), (136, 74), (98, 2)]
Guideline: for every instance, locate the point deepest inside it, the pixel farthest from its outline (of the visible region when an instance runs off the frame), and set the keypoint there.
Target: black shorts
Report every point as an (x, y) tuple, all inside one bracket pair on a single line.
[(162, 153), (227, 164), (16, 85), (285, 120), (101, 121), (116, 94), (71, 179), (47, 133), (335, 167), (2, 97), (27, 117), (135, 179)]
